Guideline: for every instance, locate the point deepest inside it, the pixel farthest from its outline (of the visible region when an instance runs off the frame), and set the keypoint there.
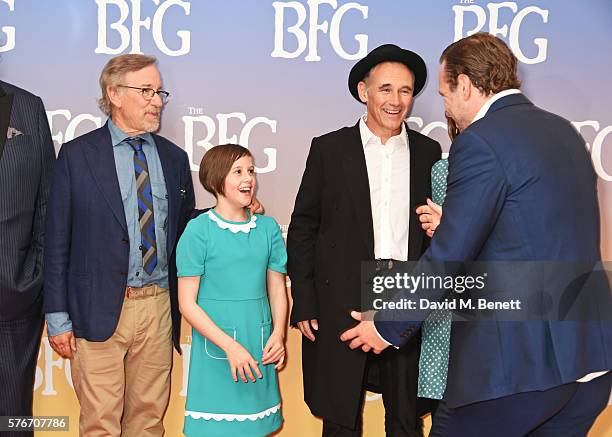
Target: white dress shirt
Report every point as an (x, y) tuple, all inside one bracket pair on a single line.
[(389, 177)]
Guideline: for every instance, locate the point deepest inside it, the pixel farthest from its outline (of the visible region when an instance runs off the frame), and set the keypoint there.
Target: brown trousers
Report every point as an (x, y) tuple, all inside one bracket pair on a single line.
[(123, 383)]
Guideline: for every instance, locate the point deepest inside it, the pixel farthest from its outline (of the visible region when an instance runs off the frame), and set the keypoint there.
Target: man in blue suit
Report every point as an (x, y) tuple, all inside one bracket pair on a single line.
[(120, 198), (521, 187)]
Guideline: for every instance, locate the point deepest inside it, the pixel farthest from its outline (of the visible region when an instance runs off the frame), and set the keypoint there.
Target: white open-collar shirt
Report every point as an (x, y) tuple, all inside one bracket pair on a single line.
[(389, 178)]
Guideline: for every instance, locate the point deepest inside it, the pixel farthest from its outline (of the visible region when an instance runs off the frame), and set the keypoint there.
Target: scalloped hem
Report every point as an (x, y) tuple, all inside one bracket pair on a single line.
[(232, 417)]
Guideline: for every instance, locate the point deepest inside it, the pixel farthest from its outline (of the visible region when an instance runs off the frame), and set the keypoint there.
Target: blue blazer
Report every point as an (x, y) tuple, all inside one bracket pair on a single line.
[(87, 245), (521, 187)]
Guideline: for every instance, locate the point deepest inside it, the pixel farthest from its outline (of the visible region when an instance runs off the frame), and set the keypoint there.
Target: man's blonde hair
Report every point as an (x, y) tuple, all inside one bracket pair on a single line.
[(114, 72)]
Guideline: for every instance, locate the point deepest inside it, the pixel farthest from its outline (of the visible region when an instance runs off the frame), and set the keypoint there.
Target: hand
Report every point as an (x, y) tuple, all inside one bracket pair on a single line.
[(364, 335), (274, 351), (64, 344), (305, 328), (255, 207), (241, 362), (429, 216)]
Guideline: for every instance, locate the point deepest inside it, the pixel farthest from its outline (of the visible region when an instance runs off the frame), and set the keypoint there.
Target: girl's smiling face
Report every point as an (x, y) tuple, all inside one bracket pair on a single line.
[(240, 182)]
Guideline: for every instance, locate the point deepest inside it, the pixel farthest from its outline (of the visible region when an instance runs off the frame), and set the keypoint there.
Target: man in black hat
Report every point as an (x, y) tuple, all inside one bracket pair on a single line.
[(357, 203)]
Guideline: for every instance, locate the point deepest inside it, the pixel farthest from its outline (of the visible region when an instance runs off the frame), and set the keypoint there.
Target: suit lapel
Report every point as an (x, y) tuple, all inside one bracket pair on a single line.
[(358, 184), (101, 160), (420, 176), (171, 177), (6, 104)]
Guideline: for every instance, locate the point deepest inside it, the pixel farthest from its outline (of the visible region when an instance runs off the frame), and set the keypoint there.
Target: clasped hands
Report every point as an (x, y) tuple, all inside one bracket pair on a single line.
[(242, 364)]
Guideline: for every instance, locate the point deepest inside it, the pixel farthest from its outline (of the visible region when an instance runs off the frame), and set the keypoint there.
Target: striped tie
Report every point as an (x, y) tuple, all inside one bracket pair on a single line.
[(146, 217)]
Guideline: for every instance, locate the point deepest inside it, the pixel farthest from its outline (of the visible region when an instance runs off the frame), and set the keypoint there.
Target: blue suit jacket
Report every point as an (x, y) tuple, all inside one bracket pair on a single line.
[(521, 187), (87, 249)]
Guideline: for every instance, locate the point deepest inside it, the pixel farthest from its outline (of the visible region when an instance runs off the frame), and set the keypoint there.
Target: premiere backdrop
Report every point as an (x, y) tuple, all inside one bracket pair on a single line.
[(270, 76)]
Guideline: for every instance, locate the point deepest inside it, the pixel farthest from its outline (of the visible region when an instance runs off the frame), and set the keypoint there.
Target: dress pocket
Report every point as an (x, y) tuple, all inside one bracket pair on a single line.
[(266, 331), (214, 351)]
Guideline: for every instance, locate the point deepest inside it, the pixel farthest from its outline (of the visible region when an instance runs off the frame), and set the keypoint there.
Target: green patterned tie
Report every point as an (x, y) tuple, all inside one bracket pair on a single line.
[(435, 342)]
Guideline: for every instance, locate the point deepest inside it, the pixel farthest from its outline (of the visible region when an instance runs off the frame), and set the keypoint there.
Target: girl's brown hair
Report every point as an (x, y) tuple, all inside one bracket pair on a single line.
[(217, 163)]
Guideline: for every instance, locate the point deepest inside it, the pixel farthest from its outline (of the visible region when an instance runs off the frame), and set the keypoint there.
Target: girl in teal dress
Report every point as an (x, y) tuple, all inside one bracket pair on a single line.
[(231, 268)]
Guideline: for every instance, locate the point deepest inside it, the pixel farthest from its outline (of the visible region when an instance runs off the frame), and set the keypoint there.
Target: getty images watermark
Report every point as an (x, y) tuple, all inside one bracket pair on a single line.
[(452, 284), (481, 291)]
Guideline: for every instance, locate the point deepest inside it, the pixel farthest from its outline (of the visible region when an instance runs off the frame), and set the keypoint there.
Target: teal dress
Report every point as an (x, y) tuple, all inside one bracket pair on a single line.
[(232, 259)]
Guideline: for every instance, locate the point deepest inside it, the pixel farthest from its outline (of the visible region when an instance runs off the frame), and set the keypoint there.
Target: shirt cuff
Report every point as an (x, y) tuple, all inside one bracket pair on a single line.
[(383, 339), (58, 323)]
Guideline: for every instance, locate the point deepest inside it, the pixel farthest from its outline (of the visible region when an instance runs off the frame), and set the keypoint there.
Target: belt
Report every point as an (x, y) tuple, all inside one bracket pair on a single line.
[(385, 264), (142, 292)]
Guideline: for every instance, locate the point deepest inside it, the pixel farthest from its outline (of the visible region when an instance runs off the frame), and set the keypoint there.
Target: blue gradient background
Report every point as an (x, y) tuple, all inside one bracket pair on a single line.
[(230, 69)]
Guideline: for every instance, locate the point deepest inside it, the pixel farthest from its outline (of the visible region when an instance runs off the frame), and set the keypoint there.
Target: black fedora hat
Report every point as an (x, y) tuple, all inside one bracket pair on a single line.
[(388, 53)]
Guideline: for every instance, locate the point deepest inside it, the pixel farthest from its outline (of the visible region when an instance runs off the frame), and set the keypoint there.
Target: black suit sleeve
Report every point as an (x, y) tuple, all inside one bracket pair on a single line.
[(47, 156), (302, 237)]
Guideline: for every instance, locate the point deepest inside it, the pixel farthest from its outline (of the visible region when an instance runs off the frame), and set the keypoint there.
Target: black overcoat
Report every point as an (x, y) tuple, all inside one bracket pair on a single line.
[(330, 234)]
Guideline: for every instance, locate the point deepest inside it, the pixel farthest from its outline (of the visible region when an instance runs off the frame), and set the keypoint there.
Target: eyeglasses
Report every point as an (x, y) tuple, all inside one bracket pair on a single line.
[(149, 93)]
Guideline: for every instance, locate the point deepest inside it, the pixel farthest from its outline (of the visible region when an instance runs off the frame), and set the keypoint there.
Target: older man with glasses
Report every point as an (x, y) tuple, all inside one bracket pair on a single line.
[(120, 198)]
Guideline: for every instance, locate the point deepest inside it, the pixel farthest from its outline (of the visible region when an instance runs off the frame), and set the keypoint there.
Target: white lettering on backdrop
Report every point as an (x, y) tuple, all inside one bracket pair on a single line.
[(9, 31), (217, 129), (131, 34), (310, 41), (196, 117), (502, 31)]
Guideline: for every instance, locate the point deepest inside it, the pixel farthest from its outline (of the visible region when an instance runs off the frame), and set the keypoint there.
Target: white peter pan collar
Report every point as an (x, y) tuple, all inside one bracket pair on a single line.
[(234, 227)]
